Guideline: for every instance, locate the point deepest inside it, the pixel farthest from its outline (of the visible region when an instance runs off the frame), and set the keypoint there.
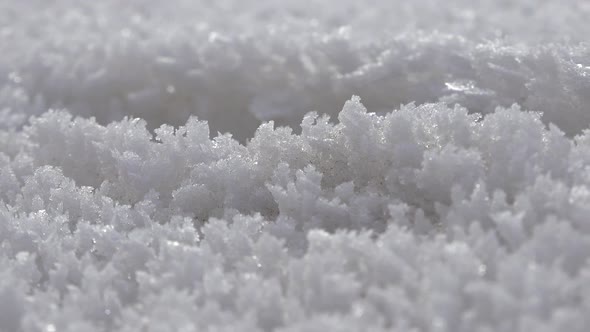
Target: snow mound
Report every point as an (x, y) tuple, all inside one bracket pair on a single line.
[(188, 166)]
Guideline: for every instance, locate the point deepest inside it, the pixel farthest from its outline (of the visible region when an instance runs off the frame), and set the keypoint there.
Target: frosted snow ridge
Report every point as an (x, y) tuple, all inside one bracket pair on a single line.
[(188, 166)]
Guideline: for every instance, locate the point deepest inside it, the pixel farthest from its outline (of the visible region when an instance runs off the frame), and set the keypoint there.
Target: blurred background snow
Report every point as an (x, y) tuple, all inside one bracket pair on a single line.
[(238, 63)]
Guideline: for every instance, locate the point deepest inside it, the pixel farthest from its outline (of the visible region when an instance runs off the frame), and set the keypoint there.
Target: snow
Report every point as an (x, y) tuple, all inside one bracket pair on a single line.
[(294, 166)]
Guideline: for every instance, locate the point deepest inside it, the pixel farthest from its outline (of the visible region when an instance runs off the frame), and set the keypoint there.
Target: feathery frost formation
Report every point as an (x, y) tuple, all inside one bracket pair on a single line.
[(455, 196)]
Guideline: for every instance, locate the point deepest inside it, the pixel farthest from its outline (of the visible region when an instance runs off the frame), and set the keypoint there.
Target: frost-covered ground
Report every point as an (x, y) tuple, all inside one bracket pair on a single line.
[(453, 195)]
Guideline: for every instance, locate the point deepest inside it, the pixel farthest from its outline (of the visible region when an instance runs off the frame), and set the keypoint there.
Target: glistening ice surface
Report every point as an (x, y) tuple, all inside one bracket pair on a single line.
[(426, 166)]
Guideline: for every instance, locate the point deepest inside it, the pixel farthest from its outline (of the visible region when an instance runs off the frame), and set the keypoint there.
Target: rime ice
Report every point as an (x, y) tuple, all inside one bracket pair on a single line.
[(250, 166)]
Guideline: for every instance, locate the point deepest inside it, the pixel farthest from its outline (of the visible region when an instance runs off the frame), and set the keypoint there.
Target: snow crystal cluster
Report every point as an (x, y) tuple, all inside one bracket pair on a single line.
[(297, 165)]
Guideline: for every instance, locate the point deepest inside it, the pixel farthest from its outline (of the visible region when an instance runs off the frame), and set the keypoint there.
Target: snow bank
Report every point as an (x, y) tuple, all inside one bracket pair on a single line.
[(454, 196)]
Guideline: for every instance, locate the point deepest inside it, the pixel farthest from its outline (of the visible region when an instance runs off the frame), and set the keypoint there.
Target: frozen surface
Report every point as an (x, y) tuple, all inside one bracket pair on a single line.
[(441, 183)]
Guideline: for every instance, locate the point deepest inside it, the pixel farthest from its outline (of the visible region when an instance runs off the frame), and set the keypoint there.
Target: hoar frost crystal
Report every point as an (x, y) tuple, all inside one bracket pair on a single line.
[(294, 166)]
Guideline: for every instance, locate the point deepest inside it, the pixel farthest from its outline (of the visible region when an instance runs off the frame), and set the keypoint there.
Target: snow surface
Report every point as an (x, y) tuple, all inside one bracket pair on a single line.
[(454, 196)]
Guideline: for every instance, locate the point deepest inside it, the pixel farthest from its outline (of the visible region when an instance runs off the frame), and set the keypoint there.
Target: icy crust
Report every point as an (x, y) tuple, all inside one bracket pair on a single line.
[(426, 218), (228, 60)]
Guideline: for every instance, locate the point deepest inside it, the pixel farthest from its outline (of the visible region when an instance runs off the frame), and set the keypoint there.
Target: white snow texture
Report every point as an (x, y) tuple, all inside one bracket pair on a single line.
[(188, 165)]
